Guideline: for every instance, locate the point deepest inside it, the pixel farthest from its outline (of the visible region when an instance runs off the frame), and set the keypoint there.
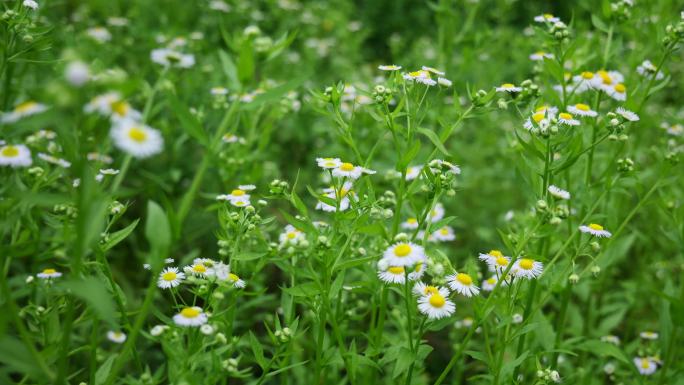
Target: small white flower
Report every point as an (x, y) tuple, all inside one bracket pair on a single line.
[(648, 335), (49, 274), (627, 114), (647, 69), (527, 268), (348, 170), (508, 87), (137, 139), (540, 55), (404, 254), (116, 337), (495, 260), (236, 281), (517, 318), (157, 330), (436, 305), (170, 277), (490, 283), (558, 192), (30, 4), (595, 230), (15, 156), (410, 224), (546, 18), (191, 316), (219, 91), (615, 340), (207, 329), (54, 160), (462, 283), (99, 34), (291, 236), (413, 172), (328, 163), (567, 119), (444, 82), (77, 73), (444, 234), (112, 105), (170, 58), (390, 67), (437, 213), (645, 365), (391, 274), (22, 110), (582, 109)]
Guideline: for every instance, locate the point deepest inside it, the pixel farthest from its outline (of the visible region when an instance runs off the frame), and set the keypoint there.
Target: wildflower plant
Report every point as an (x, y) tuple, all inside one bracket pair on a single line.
[(272, 192)]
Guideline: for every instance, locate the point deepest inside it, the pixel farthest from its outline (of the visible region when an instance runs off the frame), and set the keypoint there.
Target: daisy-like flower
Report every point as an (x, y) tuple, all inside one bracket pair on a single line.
[(77, 73), (348, 170), (389, 67), (54, 160), (240, 202), (436, 305), (191, 316), (291, 236), (462, 283), (583, 81), (582, 109), (540, 55), (444, 234), (490, 283), (444, 82), (648, 69), (391, 274), (538, 119), (171, 58), (15, 156), (404, 254), (595, 230), (418, 271), (331, 193), (236, 194), (618, 92), (558, 192), (606, 80), (546, 18), (230, 138), (627, 114), (236, 281), (496, 260), (218, 91), (527, 268), (112, 105), (437, 164), (137, 139), (199, 269), (433, 70), (673, 129), (413, 172), (421, 289), (567, 119), (611, 339), (116, 336), (420, 76), (99, 34), (649, 335), (157, 330), (328, 163), (30, 4), (22, 110), (508, 87), (170, 277), (645, 365), (410, 224), (207, 329), (437, 213), (49, 274)]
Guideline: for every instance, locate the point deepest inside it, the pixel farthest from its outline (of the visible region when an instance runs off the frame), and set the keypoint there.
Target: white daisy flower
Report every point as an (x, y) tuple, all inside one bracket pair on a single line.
[(207, 329), (390, 67), (582, 109), (410, 224), (418, 271), (330, 193), (437, 213), (328, 163), (611, 339), (490, 283), (218, 91), (595, 230), (348, 170), (237, 194), (54, 160), (99, 34), (112, 104), (567, 119), (558, 192), (422, 289), (137, 139), (413, 172), (22, 110), (527, 268), (436, 305), (236, 281), (538, 119), (170, 277), (618, 92), (230, 138), (462, 283), (199, 269), (77, 73), (495, 260), (157, 330), (404, 254), (420, 76), (116, 336), (49, 274), (444, 82), (15, 156), (583, 82), (627, 114), (645, 365), (433, 70), (170, 58), (291, 236), (674, 129), (444, 234), (191, 316), (392, 274), (508, 87), (540, 55), (30, 4), (649, 335), (648, 69), (546, 18)]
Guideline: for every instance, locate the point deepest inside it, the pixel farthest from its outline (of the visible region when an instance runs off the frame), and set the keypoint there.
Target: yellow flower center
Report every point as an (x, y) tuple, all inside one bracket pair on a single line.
[(418, 267), (526, 263), (548, 16), (464, 279), (587, 75), (540, 53), (233, 277), (565, 116), (605, 78), (396, 270), (596, 227), (137, 134), (491, 281), (199, 269), (444, 231), (582, 107), (495, 253), (49, 271), (620, 88), (347, 167), (119, 107), (169, 276), (412, 221), (430, 290), (538, 117), (190, 312), (237, 193), (402, 250), (501, 261), (26, 106), (507, 85), (329, 163), (437, 300), (291, 235), (10, 152), (645, 364)]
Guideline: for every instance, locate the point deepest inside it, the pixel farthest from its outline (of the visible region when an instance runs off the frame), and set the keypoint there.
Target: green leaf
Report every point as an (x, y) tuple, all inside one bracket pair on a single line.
[(603, 349), (157, 228), (188, 121), (230, 70), (404, 359), (118, 236), (409, 156), (257, 349), (103, 370), (307, 289), (245, 63), (15, 355), (434, 139), (93, 292)]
